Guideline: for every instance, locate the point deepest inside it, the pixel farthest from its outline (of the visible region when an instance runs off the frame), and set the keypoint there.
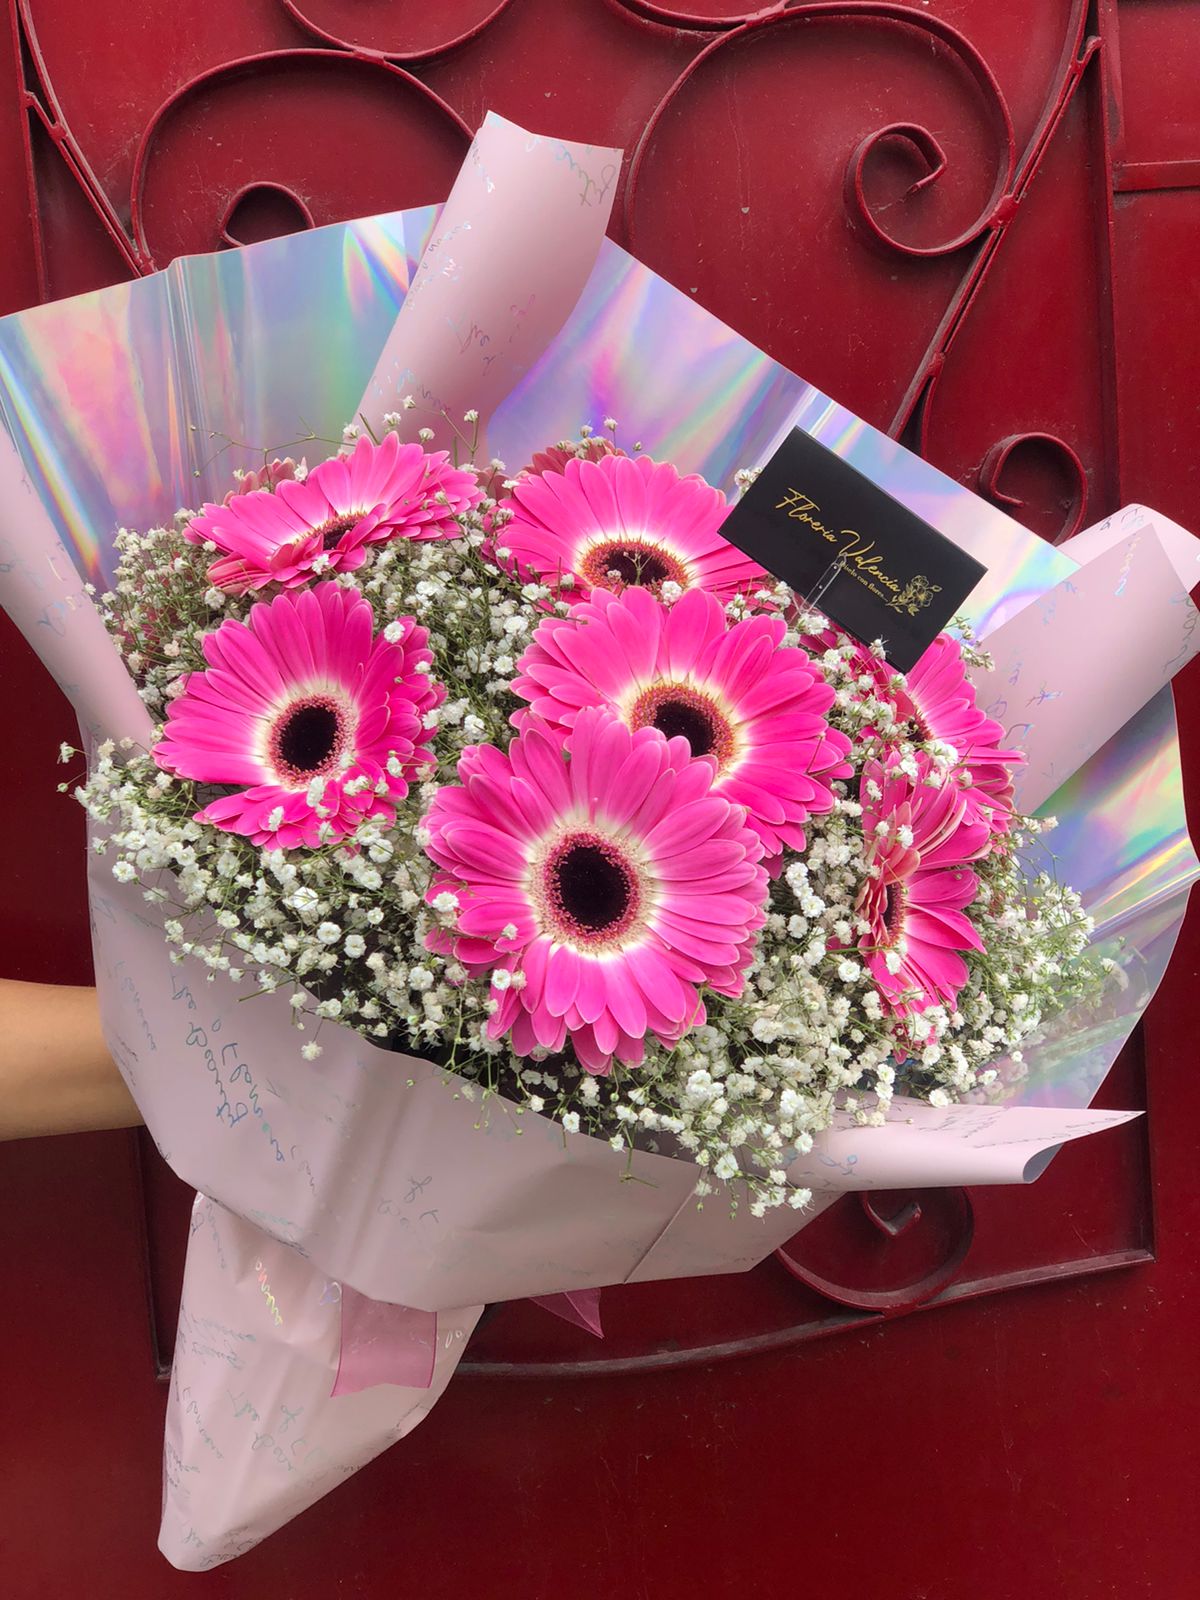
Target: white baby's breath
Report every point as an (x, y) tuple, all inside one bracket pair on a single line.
[(356, 932)]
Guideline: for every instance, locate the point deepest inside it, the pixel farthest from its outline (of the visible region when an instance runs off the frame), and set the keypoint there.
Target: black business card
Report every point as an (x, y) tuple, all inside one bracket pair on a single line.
[(869, 563)]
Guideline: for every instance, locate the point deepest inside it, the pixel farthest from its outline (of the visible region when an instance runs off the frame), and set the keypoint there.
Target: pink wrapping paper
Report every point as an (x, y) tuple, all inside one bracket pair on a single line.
[(253, 1435), (374, 1174), (357, 1159), (1078, 662), (467, 332), (1181, 548)]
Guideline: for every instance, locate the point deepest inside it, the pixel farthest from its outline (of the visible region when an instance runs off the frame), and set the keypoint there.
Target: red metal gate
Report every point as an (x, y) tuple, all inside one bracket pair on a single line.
[(976, 225)]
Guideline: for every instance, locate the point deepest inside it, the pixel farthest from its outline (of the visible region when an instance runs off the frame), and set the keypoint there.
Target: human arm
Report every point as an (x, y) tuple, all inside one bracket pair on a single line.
[(56, 1075)]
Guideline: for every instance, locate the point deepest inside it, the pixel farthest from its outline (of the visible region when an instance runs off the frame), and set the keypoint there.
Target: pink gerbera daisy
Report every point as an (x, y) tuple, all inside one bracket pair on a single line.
[(735, 692), (621, 521), (318, 720), (555, 457), (267, 477), (940, 699), (600, 891), (920, 838), (375, 494)]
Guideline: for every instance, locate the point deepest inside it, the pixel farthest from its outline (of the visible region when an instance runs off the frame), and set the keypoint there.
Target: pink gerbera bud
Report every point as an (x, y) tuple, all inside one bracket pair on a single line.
[(265, 477), (556, 456)]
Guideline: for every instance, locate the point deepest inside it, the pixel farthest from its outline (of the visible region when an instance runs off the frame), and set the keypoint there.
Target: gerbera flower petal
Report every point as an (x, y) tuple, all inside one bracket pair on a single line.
[(562, 979), (942, 927), (601, 936)]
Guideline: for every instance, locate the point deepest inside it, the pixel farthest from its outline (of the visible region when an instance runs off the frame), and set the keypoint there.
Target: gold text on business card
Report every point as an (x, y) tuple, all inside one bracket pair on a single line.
[(859, 557)]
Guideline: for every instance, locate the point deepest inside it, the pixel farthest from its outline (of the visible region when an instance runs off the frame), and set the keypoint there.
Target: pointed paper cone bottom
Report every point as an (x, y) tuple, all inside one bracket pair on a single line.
[(253, 1436)]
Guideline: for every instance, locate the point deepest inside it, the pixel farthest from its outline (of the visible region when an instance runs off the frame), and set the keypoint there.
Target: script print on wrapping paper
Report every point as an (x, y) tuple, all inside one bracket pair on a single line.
[(377, 1190), (253, 1433), (1077, 663)]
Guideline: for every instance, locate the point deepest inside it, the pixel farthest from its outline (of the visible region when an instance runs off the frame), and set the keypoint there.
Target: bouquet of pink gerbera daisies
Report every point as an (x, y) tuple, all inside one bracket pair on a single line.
[(549, 840), (544, 780)]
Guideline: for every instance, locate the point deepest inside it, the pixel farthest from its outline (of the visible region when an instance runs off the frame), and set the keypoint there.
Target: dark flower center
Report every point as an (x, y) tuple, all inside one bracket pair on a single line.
[(629, 563), (591, 889), (892, 911), (638, 566), (331, 532), (679, 711), (674, 719), (308, 739)]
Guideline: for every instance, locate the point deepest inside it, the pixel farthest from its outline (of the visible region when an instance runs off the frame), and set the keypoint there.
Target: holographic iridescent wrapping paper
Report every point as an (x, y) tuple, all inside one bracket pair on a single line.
[(123, 405), (133, 401)]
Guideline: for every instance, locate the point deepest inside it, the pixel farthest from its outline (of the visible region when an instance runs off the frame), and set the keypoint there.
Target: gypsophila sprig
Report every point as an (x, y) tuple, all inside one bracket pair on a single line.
[(576, 801)]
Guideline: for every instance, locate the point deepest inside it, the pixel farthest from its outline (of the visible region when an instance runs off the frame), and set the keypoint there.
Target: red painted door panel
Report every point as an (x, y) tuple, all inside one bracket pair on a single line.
[(977, 225)]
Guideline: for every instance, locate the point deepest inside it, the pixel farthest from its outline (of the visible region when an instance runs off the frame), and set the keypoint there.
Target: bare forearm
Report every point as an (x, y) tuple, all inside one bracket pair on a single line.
[(56, 1076)]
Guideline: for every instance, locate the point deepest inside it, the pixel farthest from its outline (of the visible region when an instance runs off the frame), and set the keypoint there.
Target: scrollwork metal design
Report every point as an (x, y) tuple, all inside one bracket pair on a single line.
[(934, 1227), (721, 15), (918, 139), (254, 161), (1064, 461), (275, 202), (323, 19), (915, 135)]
